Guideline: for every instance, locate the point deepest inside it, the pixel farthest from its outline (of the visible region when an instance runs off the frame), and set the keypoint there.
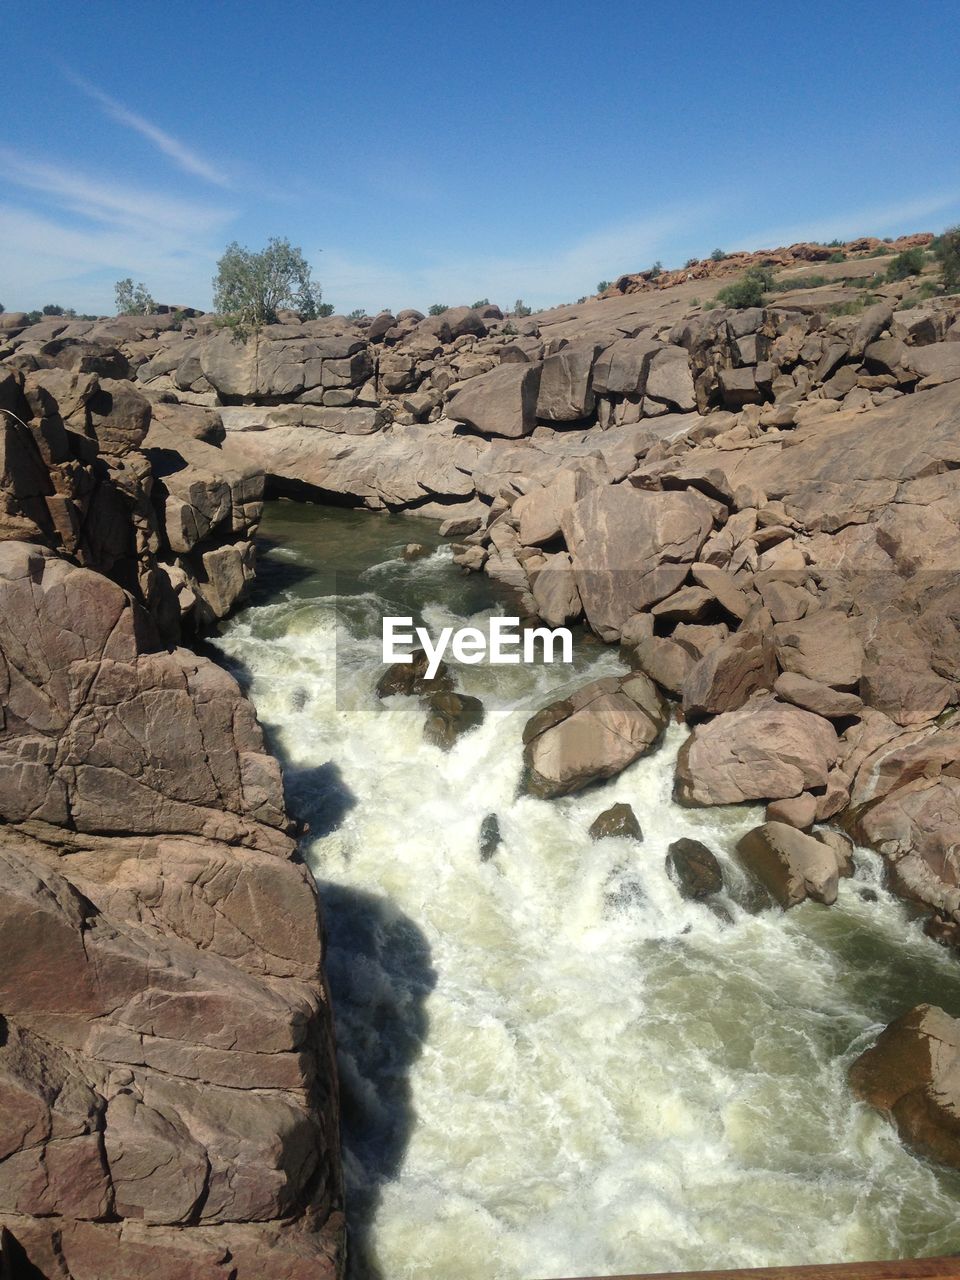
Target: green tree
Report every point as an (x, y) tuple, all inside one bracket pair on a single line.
[(718, 255), (483, 302), (357, 314), (133, 299), (603, 286), (250, 288), (656, 270), (947, 251), (521, 309), (52, 309), (437, 309)]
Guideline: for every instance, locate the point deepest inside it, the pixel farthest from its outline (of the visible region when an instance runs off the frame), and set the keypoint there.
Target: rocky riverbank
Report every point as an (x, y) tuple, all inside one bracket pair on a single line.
[(761, 506)]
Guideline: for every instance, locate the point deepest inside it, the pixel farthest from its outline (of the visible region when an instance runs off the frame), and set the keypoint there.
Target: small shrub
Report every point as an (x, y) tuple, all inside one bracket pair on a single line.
[(482, 302), (694, 302), (521, 309), (52, 309), (357, 314), (839, 256), (946, 250), (908, 263), (835, 244), (133, 299), (690, 262), (656, 270), (717, 255), (749, 291), (324, 309), (438, 308), (788, 285), (603, 286)]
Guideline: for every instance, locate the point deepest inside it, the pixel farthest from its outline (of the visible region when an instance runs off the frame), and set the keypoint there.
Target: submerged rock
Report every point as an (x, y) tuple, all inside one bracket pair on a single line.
[(450, 715), (490, 838), (618, 820), (415, 551), (912, 1076), (592, 735), (695, 868)]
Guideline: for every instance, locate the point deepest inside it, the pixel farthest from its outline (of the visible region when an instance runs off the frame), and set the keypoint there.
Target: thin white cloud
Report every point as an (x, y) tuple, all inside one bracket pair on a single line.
[(541, 279), (70, 235), (873, 220), (183, 156)]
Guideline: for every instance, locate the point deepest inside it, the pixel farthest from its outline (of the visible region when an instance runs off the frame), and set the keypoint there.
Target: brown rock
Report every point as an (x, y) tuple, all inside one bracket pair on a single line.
[(765, 750), (792, 865), (618, 820), (592, 735), (817, 697), (695, 868), (449, 716), (729, 674), (502, 402), (411, 677), (911, 1076)]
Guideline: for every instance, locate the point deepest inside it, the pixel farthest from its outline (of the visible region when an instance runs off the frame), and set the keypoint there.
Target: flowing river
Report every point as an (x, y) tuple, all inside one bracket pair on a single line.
[(551, 1064)]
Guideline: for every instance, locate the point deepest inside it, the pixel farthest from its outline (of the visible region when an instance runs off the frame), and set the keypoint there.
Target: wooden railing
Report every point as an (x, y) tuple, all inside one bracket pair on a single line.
[(899, 1269)]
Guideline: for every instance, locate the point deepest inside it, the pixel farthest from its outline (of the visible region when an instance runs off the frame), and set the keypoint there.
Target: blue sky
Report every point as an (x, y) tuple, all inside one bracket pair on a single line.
[(426, 152)]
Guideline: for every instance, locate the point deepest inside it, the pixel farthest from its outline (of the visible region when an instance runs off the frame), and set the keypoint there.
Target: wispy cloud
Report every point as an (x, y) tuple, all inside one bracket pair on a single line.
[(69, 234), (183, 156), (542, 278), (868, 220)]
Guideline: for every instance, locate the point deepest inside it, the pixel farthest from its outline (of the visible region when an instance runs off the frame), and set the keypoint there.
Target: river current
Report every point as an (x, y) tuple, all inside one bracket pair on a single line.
[(551, 1064)]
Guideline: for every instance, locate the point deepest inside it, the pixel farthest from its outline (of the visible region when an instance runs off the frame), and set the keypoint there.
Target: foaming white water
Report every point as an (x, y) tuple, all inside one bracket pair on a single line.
[(552, 1064)]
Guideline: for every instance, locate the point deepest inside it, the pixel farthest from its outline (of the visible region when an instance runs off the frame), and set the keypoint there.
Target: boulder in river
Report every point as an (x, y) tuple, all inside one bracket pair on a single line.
[(449, 715), (912, 1075), (765, 750), (793, 866), (592, 735), (618, 820), (695, 868)]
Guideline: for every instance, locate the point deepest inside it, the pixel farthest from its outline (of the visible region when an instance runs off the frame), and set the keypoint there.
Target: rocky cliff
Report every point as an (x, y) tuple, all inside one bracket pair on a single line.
[(168, 1098)]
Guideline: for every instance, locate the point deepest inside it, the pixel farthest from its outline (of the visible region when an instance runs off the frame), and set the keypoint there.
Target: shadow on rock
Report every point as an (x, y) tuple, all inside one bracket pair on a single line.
[(380, 973)]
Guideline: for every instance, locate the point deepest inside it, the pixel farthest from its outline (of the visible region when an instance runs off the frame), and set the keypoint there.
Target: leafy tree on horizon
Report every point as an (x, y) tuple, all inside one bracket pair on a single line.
[(438, 308), (250, 288), (947, 251), (133, 299)]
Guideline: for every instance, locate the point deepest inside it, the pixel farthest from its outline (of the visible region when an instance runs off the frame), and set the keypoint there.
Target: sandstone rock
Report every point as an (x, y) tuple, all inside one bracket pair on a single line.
[(729, 674), (765, 750), (119, 417), (449, 715), (797, 811), (555, 591), (632, 548), (566, 392), (618, 820), (817, 697), (592, 735), (502, 402), (911, 1076), (791, 865), (669, 379), (695, 868), (823, 647)]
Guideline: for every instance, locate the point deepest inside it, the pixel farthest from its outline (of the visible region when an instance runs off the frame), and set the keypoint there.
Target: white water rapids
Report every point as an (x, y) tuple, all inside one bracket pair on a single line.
[(552, 1064)]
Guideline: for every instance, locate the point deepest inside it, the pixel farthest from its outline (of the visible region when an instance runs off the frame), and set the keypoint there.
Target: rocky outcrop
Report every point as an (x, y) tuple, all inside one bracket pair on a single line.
[(166, 1064), (912, 1076)]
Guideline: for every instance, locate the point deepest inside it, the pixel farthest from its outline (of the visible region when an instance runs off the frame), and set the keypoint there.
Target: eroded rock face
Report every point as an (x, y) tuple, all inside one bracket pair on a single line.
[(912, 1076), (166, 1059), (592, 735)]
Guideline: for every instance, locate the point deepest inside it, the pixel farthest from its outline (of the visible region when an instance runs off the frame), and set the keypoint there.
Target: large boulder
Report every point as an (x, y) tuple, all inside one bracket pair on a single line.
[(632, 548), (591, 735), (793, 866), (912, 1076), (765, 750), (695, 868), (729, 674), (566, 391), (502, 402)]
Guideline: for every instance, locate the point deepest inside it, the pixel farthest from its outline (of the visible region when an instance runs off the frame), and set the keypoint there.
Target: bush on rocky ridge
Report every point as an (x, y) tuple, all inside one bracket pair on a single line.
[(947, 251), (749, 291), (250, 288), (908, 263)]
